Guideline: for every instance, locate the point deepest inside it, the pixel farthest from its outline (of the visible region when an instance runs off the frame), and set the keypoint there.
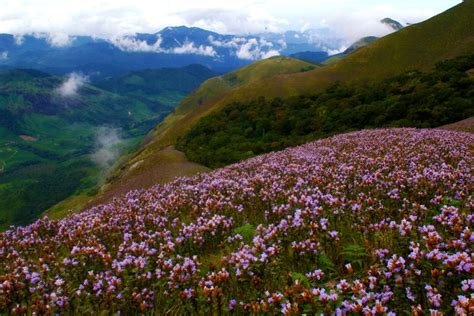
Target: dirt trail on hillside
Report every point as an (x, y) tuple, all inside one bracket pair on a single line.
[(164, 166)]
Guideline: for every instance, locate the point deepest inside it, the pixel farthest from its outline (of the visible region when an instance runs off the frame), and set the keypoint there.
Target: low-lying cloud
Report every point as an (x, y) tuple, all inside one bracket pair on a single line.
[(131, 44), (72, 84), (191, 48), (255, 49), (109, 18), (108, 147), (56, 39)]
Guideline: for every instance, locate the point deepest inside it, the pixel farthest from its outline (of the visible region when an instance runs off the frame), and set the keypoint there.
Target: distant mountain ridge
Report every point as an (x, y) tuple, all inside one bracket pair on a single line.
[(171, 47)]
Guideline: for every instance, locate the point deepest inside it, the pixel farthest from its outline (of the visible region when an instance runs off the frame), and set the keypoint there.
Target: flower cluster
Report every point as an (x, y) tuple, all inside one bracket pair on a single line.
[(375, 222)]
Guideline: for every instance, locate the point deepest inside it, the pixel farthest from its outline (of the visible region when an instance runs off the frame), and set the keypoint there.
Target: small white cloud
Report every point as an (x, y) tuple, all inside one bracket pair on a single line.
[(270, 53), (72, 84), (131, 44), (282, 43), (19, 39), (4, 56), (255, 49), (55, 39), (60, 39), (108, 144), (190, 48), (234, 42)]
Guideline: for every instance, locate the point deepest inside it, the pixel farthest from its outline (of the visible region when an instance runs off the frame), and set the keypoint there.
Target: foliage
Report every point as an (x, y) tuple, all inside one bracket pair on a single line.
[(414, 99), (247, 232)]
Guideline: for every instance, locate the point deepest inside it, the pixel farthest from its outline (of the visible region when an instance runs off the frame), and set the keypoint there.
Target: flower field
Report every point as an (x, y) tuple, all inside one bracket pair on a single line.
[(376, 222)]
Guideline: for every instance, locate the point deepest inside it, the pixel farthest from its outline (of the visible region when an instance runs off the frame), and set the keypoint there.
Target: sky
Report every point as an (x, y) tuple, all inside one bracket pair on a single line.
[(110, 18)]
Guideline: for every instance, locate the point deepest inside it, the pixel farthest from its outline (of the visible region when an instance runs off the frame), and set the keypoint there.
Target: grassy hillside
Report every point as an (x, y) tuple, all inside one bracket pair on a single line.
[(419, 47), (414, 99), (143, 169)]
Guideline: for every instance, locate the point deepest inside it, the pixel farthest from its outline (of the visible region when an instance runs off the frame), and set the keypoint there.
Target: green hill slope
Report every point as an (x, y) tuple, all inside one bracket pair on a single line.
[(163, 86), (53, 146), (414, 99), (157, 161), (417, 47)]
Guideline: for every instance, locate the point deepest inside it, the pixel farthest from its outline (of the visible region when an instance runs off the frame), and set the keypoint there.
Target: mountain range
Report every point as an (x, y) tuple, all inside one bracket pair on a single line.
[(418, 47), (244, 182), (171, 47), (133, 83)]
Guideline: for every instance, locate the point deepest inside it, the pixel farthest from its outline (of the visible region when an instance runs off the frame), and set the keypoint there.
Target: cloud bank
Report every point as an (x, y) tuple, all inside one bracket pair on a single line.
[(54, 39), (254, 49), (132, 44), (112, 18), (72, 84)]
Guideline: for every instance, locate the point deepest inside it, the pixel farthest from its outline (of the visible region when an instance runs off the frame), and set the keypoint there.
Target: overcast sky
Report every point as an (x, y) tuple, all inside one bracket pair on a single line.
[(108, 18)]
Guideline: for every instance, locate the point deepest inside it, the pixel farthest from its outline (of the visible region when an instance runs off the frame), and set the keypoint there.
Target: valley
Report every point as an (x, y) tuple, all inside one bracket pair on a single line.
[(56, 146)]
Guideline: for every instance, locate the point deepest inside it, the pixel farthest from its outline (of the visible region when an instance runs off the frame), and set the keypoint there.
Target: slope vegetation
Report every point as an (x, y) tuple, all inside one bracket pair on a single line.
[(414, 99)]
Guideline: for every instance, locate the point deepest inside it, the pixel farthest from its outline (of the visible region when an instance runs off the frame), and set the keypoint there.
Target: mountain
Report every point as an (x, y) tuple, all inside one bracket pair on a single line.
[(166, 85), (60, 136), (171, 47), (417, 47), (363, 42), (395, 25), (331, 60), (413, 47)]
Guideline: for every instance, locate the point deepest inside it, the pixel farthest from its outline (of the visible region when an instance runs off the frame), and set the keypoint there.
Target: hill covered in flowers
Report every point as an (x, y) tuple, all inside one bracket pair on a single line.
[(375, 222)]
